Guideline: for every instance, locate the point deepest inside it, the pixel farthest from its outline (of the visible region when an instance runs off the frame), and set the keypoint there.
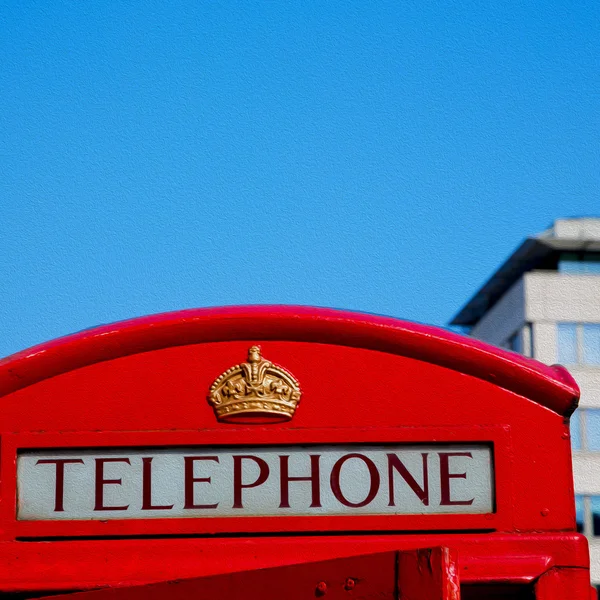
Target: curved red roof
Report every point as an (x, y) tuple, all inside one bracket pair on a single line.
[(552, 387)]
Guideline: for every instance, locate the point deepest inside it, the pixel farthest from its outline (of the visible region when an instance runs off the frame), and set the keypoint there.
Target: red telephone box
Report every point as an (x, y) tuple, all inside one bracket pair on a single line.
[(286, 450)]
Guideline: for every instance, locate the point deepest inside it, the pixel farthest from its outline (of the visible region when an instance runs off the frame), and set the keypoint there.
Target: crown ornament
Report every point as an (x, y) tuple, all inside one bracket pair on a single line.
[(256, 391)]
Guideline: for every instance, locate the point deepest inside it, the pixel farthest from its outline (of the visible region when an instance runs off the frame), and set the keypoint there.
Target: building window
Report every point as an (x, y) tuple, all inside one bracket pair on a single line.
[(578, 343), (595, 507), (591, 343), (585, 429), (514, 342), (576, 430), (579, 513), (567, 343), (587, 514), (579, 263), (520, 341)]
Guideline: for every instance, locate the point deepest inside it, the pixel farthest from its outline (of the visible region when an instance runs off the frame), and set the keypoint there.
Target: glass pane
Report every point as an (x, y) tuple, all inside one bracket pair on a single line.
[(591, 343), (567, 343), (579, 518), (572, 262), (527, 338), (514, 342), (576, 430), (569, 263), (595, 501), (592, 263), (592, 428)]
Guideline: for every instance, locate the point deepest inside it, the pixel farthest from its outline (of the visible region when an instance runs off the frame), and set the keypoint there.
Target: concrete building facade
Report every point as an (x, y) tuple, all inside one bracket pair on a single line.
[(544, 302)]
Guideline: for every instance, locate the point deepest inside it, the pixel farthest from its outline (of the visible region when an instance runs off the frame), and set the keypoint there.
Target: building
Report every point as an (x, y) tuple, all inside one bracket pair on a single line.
[(544, 302)]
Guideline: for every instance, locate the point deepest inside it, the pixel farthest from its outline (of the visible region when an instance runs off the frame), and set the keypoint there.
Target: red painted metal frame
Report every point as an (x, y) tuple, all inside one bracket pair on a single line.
[(85, 564)]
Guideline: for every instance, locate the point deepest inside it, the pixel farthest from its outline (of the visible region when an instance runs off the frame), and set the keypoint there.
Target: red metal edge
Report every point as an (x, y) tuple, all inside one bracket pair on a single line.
[(552, 387), (72, 564)]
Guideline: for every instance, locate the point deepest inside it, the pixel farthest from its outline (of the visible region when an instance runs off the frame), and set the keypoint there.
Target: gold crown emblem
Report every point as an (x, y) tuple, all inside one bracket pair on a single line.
[(255, 391)]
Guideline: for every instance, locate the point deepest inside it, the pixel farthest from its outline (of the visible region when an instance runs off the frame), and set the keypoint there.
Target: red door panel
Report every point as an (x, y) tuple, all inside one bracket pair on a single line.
[(427, 574)]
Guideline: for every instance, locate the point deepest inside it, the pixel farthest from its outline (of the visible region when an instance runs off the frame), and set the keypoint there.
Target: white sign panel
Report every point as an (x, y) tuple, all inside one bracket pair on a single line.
[(130, 483)]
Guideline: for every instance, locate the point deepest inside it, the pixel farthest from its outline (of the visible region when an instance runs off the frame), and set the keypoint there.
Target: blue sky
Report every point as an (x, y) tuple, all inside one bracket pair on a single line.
[(377, 156)]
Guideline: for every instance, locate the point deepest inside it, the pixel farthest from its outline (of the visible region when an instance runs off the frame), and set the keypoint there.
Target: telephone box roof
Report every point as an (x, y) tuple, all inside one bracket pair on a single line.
[(552, 387)]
